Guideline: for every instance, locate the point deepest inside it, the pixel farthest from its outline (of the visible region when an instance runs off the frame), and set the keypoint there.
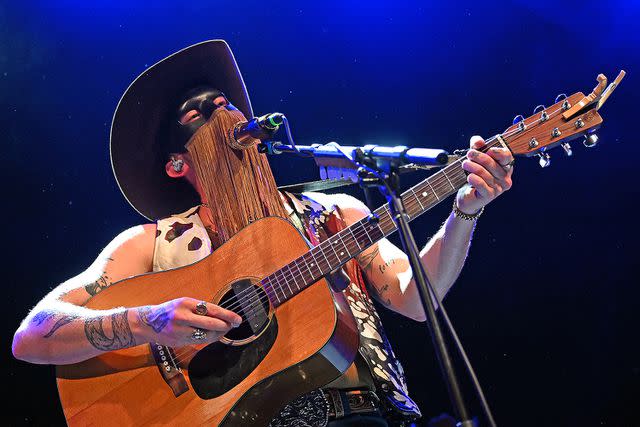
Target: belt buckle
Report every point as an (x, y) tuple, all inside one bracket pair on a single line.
[(361, 401)]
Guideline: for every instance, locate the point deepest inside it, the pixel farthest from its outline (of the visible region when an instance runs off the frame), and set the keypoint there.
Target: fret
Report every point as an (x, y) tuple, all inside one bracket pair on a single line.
[(363, 226), (315, 262), (444, 172), (307, 265), (325, 257), (354, 238), (343, 244), (287, 281), (417, 198), (301, 275), (332, 248), (432, 190)]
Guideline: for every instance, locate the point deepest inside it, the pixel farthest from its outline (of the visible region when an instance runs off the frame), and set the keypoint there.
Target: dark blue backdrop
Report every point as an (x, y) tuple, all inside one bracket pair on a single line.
[(547, 303)]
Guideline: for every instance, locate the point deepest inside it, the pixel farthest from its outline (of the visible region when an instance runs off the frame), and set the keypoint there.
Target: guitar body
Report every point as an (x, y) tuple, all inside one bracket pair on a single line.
[(310, 340)]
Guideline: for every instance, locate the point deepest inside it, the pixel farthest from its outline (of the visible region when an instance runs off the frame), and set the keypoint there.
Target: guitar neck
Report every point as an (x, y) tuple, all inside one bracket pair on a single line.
[(334, 252)]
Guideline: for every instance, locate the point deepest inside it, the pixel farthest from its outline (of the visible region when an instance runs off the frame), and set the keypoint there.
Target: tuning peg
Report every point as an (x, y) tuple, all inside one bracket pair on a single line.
[(590, 140), (539, 108), (545, 160), (560, 97), (567, 149), (518, 119)]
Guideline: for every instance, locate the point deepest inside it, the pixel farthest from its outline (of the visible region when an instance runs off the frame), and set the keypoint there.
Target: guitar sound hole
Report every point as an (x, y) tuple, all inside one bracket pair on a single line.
[(252, 304)]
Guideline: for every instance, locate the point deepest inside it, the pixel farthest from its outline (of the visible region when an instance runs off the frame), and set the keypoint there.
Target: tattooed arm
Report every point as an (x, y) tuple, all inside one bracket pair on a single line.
[(387, 268), (59, 330)]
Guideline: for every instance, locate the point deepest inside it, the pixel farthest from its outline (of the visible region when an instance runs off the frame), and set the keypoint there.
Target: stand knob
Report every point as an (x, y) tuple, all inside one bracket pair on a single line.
[(545, 160), (567, 149), (590, 140)]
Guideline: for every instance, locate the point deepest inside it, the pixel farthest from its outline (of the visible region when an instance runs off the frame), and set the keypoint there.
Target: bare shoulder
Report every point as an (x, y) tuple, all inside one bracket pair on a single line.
[(129, 254)]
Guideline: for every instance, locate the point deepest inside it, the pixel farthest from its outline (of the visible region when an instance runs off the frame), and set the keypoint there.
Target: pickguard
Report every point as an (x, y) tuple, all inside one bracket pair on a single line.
[(218, 367)]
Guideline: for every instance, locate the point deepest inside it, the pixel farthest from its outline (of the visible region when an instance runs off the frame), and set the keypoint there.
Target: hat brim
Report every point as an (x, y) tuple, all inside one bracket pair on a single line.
[(139, 124)]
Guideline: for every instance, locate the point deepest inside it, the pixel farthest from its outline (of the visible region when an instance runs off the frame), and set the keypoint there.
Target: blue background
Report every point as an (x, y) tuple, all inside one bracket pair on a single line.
[(547, 303)]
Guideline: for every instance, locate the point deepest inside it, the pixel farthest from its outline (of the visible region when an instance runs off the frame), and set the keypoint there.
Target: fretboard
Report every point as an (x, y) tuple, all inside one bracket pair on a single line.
[(334, 252)]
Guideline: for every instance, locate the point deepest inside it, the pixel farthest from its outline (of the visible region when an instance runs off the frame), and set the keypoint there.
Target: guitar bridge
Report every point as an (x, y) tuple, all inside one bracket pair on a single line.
[(166, 361)]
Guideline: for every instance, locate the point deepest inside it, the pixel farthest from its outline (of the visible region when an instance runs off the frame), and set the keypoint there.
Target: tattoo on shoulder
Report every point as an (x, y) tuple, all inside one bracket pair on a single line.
[(366, 260), (120, 337), (157, 318), (102, 283)]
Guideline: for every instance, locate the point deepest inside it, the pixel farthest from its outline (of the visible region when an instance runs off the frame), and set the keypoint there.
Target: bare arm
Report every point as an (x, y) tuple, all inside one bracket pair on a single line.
[(388, 271), (60, 331), (387, 267)]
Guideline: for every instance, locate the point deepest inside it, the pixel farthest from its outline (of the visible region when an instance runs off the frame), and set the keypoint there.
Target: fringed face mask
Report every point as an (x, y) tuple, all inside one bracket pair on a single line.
[(192, 112), (238, 185)]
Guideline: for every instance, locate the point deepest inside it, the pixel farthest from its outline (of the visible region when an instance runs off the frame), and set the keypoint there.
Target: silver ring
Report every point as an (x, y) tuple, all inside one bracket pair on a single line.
[(198, 334), (509, 165), (201, 308)]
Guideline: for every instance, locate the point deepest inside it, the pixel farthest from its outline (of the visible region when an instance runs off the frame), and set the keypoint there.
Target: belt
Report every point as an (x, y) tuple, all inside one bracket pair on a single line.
[(348, 402)]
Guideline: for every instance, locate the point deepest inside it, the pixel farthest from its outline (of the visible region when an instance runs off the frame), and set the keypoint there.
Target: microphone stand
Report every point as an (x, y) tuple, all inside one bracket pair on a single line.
[(388, 184), (384, 164)]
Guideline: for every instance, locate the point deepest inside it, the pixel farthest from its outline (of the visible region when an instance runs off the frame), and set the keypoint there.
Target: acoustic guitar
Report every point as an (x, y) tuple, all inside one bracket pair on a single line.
[(298, 333)]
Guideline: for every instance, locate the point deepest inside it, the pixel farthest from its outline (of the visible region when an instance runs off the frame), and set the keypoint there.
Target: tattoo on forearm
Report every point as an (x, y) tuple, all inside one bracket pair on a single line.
[(60, 323), (102, 283), (366, 260), (156, 318), (121, 336), (42, 317)]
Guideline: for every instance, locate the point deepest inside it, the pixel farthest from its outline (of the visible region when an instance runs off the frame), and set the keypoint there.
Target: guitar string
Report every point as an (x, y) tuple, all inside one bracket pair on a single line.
[(256, 306), (384, 221), (359, 233), (438, 182)]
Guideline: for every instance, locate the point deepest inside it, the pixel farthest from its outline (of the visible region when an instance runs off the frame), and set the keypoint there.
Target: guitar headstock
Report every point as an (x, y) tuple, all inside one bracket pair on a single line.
[(567, 119)]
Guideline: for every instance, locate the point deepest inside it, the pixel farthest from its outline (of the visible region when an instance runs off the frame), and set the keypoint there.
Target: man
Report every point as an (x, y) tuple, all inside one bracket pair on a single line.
[(176, 165)]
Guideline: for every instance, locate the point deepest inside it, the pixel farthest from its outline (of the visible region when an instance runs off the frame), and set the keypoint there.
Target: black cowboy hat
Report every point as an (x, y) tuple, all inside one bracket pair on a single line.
[(140, 124)]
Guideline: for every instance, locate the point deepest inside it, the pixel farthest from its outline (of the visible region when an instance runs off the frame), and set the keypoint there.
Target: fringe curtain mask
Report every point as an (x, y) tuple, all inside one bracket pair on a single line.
[(238, 184)]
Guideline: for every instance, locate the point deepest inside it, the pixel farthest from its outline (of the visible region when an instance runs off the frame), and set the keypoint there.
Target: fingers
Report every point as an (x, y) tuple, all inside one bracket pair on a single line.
[(488, 174), (223, 314), (483, 190), (209, 323), (488, 163), (215, 311), (476, 142), (502, 156), (480, 171)]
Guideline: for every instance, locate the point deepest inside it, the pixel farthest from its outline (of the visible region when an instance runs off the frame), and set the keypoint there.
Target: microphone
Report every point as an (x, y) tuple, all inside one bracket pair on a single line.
[(244, 134)]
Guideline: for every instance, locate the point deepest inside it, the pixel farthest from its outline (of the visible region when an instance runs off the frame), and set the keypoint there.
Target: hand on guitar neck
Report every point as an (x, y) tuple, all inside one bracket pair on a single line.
[(489, 176)]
